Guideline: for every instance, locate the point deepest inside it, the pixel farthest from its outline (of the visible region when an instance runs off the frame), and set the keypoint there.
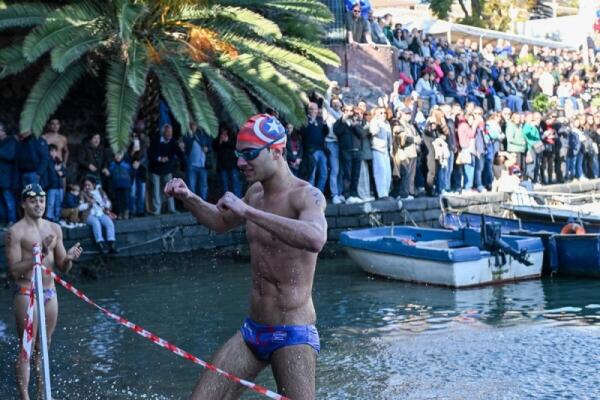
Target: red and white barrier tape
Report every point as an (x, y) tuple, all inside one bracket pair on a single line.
[(28, 331), (163, 343)]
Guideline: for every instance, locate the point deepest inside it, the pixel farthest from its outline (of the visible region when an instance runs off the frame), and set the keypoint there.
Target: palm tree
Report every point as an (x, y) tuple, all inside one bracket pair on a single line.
[(198, 55)]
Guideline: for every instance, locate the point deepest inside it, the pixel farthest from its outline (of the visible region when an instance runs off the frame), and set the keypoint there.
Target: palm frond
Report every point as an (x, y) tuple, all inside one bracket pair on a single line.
[(191, 82), (250, 20), (138, 67), (23, 15), (301, 27), (121, 105), (314, 9), (281, 57), (47, 36), (63, 55), (172, 92), (264, 82), (80, 12), (193, 12), (46, 95), (12, 60), (203, 111), (128, 15), (313, 50), (234, 100)]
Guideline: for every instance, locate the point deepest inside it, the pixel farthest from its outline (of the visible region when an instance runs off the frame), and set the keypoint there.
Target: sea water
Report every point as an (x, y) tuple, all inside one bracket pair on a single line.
[(380, 339)]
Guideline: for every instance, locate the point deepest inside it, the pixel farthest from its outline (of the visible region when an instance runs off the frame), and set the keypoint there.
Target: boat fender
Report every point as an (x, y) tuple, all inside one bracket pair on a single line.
[(572, 228)]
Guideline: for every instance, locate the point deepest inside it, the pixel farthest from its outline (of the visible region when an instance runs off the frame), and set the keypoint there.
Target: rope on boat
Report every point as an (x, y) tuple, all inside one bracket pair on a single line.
[(160, 341)]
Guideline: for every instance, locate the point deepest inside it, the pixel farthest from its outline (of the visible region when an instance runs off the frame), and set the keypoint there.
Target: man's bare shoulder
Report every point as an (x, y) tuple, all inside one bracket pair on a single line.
[(254, 189), (17, 229), (54, 227), (304, 195)]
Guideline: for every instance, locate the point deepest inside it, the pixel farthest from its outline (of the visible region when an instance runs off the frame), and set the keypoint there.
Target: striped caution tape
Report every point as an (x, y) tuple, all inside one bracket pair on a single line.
[(163, 343), (28, 331)]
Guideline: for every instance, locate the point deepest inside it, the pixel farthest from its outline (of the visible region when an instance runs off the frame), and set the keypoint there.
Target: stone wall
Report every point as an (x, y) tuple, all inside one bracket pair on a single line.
[(180, 232), (366, 72)]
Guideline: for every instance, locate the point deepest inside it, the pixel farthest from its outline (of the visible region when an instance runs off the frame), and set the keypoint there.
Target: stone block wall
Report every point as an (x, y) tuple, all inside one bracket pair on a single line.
[(367, 72), (181, 233)]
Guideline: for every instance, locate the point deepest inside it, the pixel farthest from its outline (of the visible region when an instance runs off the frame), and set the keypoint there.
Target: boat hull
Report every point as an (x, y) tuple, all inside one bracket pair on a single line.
[(572, 255), (452, 274), (577, 255)]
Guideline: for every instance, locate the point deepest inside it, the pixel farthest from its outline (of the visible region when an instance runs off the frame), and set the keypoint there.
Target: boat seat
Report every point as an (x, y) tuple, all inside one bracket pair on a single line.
[(437, 244)]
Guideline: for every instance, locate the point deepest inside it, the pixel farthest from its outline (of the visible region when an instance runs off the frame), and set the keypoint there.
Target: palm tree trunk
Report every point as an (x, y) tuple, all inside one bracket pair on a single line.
[(150, 105)]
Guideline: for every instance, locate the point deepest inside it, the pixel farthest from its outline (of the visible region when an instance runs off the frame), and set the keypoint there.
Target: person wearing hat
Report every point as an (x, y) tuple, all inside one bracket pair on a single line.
[(19, 242), (286, 229)]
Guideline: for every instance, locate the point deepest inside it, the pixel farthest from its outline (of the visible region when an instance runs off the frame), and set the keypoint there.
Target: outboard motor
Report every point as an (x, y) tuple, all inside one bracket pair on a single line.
[(491, 240)]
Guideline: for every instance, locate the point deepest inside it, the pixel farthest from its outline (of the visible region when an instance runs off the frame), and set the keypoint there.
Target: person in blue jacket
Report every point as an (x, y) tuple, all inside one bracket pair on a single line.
[(8, 207), (120, 180)]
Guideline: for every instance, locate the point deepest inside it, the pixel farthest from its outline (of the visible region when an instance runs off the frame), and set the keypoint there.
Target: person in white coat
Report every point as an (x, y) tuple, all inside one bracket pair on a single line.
[(381, 144)]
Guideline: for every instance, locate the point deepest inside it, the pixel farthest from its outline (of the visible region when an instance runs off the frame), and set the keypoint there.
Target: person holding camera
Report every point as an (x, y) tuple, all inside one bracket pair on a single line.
[(313, 137), (197, 151), (55, 174), (349, 134)]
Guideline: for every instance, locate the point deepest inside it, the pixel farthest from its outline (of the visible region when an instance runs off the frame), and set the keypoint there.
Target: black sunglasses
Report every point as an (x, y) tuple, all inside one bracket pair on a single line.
[(251, 154)]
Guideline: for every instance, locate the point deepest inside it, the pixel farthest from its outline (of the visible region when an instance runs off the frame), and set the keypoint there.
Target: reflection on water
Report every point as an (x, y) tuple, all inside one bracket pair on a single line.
[(380, 339)]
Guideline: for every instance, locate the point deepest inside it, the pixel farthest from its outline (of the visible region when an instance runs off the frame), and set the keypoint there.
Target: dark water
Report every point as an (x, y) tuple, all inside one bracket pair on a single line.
[(380, 339)]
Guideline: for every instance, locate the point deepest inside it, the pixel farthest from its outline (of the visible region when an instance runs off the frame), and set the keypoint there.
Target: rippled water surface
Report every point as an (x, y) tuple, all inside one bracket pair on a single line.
[(380, 339)]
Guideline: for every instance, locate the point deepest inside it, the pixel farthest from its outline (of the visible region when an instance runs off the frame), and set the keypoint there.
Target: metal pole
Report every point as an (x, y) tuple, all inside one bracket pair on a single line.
[(39, 300)]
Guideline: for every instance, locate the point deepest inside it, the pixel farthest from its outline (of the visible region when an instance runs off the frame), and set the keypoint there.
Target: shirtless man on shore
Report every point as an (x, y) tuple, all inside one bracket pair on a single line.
[(32, 228), (286, 229), (53, 136)]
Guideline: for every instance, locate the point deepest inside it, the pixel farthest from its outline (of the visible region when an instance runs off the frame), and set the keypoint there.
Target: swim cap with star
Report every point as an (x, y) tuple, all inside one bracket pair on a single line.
[(262, 129)]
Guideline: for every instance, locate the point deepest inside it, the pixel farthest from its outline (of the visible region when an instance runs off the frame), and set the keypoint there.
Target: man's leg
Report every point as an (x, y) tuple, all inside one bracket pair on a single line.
[(171, 200), (50, 205), (109, 227), (334, 169), (51, 312), (203, 177), (236, 358), (156, 195), (321, 170), (22, 366), (224, 181), (190, 179), (93, 221), (236, 184), (294, 371)]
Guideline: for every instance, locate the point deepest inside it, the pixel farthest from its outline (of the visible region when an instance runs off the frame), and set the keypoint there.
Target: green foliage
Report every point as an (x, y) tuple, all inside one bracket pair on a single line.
[(121, 104), (528, 59), (542, 104), (46, 95), (210, 58), (441, 8)]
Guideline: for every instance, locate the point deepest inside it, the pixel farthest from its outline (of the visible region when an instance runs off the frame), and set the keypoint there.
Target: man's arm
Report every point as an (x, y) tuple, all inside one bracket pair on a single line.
[(64, 259), (308, 232), (205, 213), (210, 216), (17, 267)]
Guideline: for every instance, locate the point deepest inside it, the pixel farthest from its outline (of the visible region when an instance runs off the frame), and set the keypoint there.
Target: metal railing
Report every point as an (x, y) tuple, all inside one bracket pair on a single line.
[(335, 32)]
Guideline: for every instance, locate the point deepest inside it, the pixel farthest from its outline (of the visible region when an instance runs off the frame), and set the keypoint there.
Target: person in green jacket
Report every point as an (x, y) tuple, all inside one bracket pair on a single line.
[(515, 141), (534, 142)]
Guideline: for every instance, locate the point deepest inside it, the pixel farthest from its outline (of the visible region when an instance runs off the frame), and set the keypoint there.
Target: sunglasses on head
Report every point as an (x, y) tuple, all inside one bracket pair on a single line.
[(251, 154)]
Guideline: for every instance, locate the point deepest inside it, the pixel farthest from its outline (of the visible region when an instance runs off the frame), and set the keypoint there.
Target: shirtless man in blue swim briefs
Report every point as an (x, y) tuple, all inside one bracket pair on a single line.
[(286, 229), (32, 228)]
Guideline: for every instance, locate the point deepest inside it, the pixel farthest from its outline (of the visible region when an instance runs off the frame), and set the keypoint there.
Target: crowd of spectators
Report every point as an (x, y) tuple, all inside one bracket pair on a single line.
[(456, 118), (97, 186)]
